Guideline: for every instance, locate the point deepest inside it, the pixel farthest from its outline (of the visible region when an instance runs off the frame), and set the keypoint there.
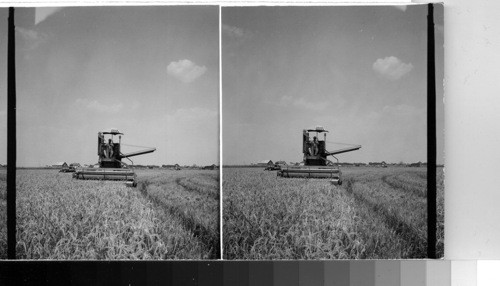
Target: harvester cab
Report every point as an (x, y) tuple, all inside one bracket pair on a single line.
[(109, 150), (111, 166), (314, 148), (315, 162)]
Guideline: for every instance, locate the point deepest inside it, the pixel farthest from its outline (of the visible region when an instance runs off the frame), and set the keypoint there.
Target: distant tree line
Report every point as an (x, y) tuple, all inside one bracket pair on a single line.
[(353, 164)]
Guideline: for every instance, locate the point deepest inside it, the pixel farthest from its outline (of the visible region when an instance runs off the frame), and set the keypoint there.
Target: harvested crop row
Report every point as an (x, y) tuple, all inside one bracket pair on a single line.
[(415, 218), (408, 182), (401, 210), (209, 179), (205, 181), (190, 184), (62, 218), (390, 214), (275, 218), (407, 207), (196, 209)]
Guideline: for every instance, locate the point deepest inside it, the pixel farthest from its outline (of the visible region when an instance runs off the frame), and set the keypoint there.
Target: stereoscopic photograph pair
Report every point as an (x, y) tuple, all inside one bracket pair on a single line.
[(274, 133)]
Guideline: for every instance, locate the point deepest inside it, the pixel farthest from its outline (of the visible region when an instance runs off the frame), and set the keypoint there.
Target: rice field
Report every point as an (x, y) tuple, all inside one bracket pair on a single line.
[(62, 218), (378, 213)]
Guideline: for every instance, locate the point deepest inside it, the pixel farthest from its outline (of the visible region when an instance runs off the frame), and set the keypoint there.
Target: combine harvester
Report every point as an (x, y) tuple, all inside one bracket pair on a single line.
[(111, 166), (316, 164)]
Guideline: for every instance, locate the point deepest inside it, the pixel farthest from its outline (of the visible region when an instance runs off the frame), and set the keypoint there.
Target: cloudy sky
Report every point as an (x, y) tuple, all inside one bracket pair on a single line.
[(360, 72), (151, 72)]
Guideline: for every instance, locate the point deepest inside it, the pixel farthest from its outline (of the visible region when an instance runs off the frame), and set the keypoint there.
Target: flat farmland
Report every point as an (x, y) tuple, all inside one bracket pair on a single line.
[(378, 213), (170, 215)]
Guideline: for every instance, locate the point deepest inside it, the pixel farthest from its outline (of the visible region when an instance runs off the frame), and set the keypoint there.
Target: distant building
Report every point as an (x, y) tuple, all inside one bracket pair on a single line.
[(265, 163), (171, 167), (211, 167), (418, 164), (378, 164), (60, 165)]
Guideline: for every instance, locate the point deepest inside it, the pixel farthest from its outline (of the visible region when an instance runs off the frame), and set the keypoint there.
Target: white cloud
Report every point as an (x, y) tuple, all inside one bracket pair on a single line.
[(95, 105), (185, 70), (303, 103), (391, 68)]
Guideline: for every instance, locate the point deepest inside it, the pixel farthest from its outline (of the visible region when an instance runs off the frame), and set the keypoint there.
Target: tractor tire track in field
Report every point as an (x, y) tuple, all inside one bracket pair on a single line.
[(208, 238), (397, 186), (197, 188), (199, 231), (417, 245)]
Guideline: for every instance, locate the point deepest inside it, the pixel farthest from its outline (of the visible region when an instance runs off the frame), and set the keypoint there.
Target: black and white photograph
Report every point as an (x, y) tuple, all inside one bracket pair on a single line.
[(325, 132), (247, 142), (117, 132)]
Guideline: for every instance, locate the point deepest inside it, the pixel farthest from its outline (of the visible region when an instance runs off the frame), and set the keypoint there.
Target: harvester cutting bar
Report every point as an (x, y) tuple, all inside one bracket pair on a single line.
[(105, 174), (312, 172)]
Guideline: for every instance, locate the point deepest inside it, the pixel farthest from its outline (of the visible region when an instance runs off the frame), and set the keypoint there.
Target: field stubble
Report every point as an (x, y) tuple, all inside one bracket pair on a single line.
[(377, 213)]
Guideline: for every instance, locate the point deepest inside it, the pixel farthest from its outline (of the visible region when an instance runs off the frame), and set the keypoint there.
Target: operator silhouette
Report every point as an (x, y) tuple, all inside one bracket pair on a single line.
[(110, 149), (315, 146)]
